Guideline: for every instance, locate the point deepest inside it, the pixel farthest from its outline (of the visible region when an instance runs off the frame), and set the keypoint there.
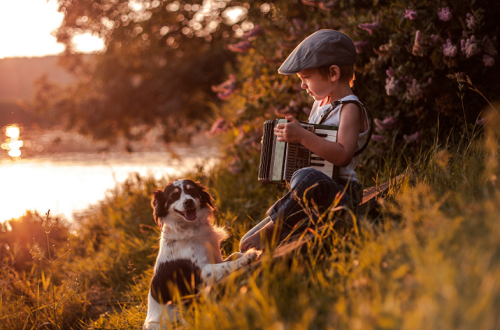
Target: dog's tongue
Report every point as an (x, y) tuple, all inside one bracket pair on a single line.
[(190, 214)]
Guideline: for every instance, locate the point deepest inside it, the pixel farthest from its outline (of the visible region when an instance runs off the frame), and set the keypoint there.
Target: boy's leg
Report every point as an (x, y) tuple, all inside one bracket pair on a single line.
[(316, 186), (255, 229)]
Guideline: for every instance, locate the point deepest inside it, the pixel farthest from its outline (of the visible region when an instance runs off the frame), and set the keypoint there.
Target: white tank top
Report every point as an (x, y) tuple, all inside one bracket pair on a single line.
[(348, 172)]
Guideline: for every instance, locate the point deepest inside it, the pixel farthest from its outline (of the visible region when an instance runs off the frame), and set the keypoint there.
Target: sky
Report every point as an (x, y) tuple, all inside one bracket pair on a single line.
[(26, 26)]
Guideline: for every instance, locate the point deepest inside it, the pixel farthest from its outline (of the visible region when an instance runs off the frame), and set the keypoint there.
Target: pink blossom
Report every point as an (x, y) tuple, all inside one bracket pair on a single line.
[(327, 5), (391, 86), (411, 138), (306, 110), (218, 127), (225, 89), (430, 81), (488, 60), (370, 27), (390, 72), (449, 49), (410, 14), (414, 90), (469, 47), (490, 45), (418, 50), (387, 124), (471, 21), (240, 47), (436, 39), (444, 14), (378, 138), (360, 45), (252, 33), (310, 2)]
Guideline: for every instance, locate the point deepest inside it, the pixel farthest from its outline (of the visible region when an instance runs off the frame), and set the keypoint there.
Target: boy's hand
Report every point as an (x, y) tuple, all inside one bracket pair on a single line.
[(290, 132)]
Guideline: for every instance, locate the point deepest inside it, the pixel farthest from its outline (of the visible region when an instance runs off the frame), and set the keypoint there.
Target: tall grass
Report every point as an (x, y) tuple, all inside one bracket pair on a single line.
[(429, 260)]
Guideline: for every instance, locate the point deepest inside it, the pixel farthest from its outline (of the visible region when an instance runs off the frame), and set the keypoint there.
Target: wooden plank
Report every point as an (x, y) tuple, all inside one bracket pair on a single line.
[(370, 198)]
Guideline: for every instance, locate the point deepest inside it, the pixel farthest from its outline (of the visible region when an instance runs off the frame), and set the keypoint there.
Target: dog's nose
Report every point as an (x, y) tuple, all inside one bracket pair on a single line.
[(189, 203)]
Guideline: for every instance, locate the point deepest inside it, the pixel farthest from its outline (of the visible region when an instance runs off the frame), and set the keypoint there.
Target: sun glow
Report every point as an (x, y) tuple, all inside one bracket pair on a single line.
[(26, 26), (12, 143), (87, 43)]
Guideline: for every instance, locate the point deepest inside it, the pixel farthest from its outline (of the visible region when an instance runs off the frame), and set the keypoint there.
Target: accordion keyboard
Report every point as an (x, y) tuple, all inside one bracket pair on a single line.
[(316, 161)]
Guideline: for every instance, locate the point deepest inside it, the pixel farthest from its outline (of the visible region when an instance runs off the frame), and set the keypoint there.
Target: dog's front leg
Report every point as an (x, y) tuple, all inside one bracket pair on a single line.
[(234, 256), (214, 272)]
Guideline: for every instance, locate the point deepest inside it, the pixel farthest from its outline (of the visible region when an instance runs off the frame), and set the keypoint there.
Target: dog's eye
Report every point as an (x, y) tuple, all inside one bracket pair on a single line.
[(174, 195), (191, 191)]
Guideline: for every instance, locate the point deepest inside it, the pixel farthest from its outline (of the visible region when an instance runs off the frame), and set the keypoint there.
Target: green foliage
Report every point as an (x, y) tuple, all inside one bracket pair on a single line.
[(403, 79)]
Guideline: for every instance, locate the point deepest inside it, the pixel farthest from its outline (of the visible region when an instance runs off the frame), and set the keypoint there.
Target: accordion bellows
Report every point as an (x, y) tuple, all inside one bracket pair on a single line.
[(279, 160)]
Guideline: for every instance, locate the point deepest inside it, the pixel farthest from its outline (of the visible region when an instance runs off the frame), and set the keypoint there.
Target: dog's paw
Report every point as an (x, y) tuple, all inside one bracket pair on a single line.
[(151, 326), (250, 256), (234, 256)]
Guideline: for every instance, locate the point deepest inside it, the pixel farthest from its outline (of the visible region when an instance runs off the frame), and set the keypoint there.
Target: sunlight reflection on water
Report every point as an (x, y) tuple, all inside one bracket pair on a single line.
[(68, 183)]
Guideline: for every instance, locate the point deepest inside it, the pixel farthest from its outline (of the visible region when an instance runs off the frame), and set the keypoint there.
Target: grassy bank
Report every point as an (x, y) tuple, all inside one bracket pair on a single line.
[(429, 260)]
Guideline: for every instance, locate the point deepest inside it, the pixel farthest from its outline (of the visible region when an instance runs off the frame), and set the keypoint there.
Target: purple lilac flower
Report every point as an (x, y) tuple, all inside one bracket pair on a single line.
[(490, 46), (252, 33), (414, 90), (360, 45), (449, 49), (387, 124), (444, 14), (430, 81), (218, 127), (471, 22), (410, 14), (469, 47), (370, 27), (310, 2), (240, 47), (391, 86), (386, 47), (390, 72), (225, 89), (378, 138), (411, 138), (327, 5), (488, 60), (418, 50), (436, 39), (306, 110)]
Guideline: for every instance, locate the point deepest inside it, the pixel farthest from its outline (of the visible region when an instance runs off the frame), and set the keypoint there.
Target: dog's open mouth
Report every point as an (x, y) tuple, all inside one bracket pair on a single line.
[(188, 214)]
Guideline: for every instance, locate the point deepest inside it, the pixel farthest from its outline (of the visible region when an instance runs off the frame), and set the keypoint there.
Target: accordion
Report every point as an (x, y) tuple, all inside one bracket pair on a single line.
[(279, 160)]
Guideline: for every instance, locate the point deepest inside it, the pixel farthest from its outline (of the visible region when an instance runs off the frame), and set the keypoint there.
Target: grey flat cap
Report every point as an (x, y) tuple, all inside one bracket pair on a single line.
[(324, 47)]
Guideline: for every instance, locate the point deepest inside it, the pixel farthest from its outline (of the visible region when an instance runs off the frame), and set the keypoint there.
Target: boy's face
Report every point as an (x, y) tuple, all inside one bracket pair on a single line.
[(316, 85)]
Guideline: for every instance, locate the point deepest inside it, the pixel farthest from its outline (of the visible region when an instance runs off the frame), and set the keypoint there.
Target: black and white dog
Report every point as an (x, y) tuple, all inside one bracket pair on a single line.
[(189, 248)]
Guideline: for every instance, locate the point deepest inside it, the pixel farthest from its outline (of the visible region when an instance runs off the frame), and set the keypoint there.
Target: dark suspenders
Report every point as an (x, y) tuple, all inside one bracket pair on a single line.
[(324, 117)]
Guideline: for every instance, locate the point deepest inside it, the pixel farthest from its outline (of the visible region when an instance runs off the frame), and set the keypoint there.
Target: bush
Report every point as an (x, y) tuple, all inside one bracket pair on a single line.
[(403, 70)]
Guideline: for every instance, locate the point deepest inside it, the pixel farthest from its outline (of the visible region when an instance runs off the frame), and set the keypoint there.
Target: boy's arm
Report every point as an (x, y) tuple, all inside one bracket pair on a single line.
[(339, 153)]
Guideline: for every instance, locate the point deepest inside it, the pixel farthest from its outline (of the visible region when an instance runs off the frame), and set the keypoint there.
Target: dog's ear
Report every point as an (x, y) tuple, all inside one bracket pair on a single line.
[(205, 197), (158, 203)]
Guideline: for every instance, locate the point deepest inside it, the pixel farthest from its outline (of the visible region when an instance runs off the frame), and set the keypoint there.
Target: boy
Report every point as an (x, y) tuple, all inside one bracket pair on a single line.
[(324, 62)]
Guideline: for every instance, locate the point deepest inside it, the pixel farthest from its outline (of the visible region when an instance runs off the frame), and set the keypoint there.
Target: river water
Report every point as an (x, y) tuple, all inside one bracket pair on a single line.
[(67, 182)]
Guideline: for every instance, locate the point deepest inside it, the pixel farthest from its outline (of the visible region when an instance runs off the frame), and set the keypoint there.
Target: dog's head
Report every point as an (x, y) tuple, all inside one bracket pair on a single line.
[(181, 200)]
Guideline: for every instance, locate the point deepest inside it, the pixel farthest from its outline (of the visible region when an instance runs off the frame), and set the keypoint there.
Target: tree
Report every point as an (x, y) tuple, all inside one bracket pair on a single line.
[(160, 60)]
